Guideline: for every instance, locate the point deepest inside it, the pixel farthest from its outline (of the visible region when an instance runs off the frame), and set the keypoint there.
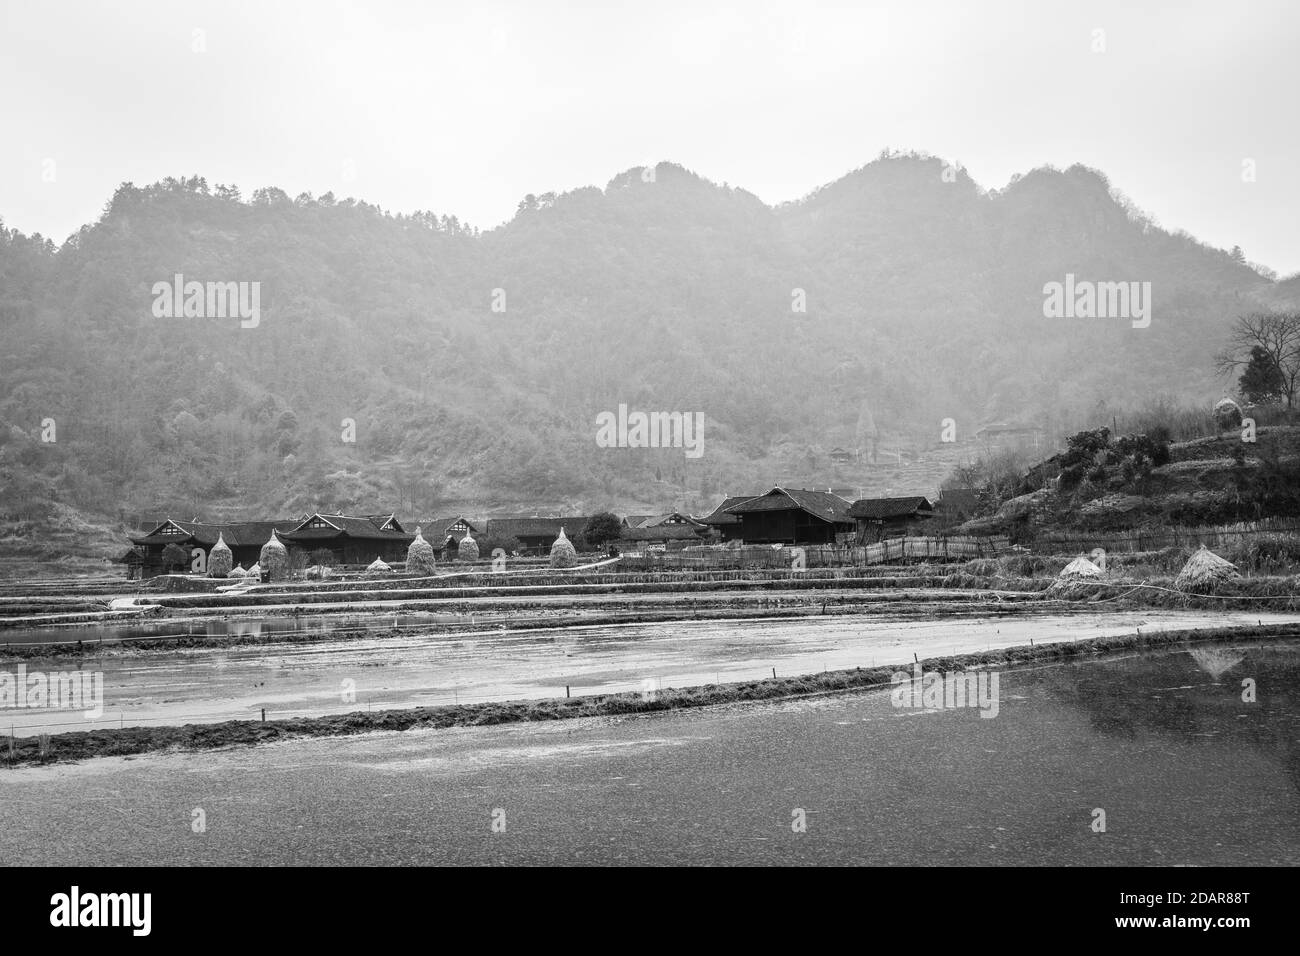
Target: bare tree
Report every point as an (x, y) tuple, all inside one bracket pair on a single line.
[(1278, 334)]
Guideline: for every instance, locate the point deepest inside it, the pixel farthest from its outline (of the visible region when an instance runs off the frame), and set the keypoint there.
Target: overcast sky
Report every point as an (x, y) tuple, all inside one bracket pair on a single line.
[(462, 108)]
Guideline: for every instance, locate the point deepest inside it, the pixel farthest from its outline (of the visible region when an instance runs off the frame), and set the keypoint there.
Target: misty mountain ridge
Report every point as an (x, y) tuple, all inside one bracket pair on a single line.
[(922, 294)]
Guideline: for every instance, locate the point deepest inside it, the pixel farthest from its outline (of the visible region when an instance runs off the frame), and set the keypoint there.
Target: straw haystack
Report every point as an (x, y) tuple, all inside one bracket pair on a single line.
[(220, 558), (419, 556), (1227, 413), (1080, 569), (377, 568), (1205, 572), (274, 558), (255, 572), (468, 549), (563, 554), (236, 572)]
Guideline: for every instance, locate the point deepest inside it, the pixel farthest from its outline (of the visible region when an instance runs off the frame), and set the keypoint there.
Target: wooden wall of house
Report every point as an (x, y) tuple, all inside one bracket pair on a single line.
[(790, 526), (364, 551), (245, 555), (346, 550)]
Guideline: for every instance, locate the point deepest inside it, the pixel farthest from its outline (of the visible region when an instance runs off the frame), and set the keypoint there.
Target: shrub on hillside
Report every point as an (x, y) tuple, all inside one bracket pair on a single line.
[(1070, 477), (1141, 446), (1082, 448), (1268, 553)]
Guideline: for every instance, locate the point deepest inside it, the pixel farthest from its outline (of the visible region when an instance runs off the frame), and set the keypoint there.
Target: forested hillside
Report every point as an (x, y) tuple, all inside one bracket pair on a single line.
[(662, 291)]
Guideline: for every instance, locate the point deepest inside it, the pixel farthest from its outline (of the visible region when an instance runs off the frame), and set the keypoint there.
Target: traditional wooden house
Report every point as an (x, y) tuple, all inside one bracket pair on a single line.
[(353, 539), (793, 516), (445, 534), (244, 538), (671, 536), (722, 521), (675, 518), (536, 534), (880, 518)]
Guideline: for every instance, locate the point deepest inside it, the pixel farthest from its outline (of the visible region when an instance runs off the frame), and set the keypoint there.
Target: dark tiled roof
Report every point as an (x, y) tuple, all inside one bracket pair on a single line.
[(663, 532), (874, 508), (536, 527), (820, 504), (720, 515), (654, 521), (351, 525), (243, 533), (439, 528), (233, 532)]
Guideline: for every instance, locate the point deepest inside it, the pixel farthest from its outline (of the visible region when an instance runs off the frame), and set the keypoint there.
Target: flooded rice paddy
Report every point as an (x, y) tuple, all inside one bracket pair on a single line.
[(409, 669), (1186, 771)]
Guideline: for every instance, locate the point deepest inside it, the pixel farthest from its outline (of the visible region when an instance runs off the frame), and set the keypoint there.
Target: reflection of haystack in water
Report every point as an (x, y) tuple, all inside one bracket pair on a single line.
[(1080, 569), (1205, 572), (1217, 661)]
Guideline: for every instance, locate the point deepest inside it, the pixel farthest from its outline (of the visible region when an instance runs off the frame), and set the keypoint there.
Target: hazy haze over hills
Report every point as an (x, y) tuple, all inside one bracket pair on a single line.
[(924, 300)]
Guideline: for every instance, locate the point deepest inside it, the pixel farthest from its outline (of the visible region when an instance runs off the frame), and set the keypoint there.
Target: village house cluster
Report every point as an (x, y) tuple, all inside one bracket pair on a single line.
[(781, 516)]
